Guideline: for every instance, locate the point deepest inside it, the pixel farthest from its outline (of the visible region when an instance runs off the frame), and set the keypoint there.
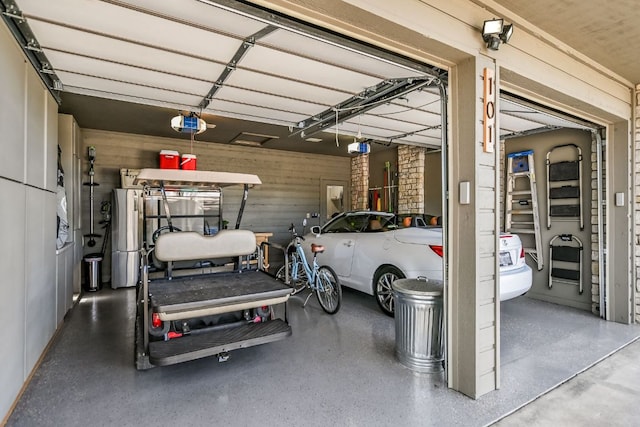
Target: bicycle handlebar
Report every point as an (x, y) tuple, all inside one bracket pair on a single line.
[(292, 230)]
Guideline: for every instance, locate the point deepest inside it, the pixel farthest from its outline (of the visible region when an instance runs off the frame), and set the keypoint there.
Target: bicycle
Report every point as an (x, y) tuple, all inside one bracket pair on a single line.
[(297, 273)]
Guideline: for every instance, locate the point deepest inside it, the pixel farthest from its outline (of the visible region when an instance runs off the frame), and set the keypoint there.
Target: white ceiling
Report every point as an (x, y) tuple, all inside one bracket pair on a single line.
[(606, 31), (169, 54)]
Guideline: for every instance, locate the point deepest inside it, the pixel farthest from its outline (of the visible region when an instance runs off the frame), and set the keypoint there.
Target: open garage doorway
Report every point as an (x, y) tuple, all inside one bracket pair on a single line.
[(263, 84), (552, 197)]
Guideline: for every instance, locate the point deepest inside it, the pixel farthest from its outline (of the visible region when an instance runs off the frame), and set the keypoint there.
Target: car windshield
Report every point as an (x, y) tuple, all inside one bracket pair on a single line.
[(360, 222)]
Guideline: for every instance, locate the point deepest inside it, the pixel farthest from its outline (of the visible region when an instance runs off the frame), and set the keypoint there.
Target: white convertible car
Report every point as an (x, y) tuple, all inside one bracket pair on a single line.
[(369, 250)]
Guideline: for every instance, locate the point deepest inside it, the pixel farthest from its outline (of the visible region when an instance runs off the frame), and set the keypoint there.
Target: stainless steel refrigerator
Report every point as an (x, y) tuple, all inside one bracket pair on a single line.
[(125, 262)]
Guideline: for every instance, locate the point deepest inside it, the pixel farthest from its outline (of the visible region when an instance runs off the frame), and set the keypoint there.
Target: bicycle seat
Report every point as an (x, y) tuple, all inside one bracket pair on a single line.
[(317, 249)]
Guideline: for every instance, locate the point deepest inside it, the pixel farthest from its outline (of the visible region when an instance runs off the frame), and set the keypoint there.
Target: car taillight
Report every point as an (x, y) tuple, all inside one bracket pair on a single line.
[(155, 320), (437, 249), (522, 252)]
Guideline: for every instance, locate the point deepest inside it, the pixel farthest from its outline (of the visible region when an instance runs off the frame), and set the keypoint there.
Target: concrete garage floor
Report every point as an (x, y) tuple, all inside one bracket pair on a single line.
[(334, 370)]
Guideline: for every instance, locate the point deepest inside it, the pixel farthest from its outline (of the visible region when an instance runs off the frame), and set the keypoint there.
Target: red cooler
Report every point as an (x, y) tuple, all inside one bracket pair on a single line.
[(169, 159), (188, 162)]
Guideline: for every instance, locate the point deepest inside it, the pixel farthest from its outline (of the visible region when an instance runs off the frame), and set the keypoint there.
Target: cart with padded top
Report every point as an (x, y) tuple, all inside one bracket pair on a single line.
[(187, 313)]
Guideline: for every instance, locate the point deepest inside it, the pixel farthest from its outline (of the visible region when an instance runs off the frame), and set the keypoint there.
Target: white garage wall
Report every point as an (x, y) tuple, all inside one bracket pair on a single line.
[(28, 141)]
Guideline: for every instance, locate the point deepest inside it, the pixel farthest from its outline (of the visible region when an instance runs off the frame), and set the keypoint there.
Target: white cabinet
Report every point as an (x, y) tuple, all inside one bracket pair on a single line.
[(51, 142), (12, 70), (39, 257), (64, 283), (36, 153), (12, 292)]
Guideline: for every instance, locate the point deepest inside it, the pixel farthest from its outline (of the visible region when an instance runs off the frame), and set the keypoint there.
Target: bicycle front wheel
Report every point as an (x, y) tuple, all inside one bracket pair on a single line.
[(328, 290), (297, 281)]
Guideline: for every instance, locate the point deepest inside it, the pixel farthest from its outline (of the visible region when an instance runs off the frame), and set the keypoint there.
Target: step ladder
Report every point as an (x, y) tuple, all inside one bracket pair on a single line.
[(565, 258), (521, 206), (564, 185)]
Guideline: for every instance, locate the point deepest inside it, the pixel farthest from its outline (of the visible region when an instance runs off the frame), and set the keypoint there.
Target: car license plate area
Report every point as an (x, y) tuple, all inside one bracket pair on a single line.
[(505, 259)]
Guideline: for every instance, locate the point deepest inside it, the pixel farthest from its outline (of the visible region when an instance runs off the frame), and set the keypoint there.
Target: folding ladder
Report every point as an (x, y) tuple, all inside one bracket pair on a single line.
[(566, 260), (564, 186), (521, 207)]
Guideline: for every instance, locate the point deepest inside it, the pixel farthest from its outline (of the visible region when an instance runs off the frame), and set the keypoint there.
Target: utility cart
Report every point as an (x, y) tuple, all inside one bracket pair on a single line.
[(202, 290)]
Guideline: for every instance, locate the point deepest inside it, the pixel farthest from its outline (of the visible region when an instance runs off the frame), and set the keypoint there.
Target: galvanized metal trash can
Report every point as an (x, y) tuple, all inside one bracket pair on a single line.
[(93, 278), (419, 324)]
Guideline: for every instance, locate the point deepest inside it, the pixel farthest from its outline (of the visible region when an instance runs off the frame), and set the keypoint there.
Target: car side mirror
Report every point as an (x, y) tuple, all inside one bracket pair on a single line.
[(315, 230)]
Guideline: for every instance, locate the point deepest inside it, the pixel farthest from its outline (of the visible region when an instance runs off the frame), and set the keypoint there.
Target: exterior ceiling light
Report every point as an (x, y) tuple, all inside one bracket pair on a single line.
[(189, 124), (494, 32)]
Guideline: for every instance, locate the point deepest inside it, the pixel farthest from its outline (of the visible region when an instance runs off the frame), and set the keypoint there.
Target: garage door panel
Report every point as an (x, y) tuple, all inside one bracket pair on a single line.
[(112, 71), (381, 134), (54, 37), (400, 108), (516, 124), (103, 18), (306, 70), (135, 91), (252, 80), (202, 14), (174, 105), (420, 98), (268, 101), (331, 54), (421, 141), (253, 112), (418, 117), (395, 124)]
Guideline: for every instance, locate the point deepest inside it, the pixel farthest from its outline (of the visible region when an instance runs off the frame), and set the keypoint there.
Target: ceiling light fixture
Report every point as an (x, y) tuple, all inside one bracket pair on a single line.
[(494, 32), (189, 124)]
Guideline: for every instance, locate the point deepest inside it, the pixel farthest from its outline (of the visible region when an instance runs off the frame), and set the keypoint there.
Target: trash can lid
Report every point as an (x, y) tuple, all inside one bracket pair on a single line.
[(93, 257), (421, 286)]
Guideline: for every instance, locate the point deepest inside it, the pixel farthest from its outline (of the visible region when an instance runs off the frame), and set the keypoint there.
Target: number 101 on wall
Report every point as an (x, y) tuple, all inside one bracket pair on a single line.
[(489, 115)]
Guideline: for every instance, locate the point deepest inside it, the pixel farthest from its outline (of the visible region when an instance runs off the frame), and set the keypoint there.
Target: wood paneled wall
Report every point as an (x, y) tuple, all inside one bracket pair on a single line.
[(290, 181)]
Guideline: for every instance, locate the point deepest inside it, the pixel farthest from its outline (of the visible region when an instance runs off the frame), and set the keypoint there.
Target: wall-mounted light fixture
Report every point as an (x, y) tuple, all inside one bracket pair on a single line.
[(494, 31)]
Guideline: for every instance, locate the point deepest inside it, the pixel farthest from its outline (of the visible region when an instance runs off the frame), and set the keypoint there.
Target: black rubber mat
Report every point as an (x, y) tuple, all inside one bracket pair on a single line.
[(214, 290), (193, 347)]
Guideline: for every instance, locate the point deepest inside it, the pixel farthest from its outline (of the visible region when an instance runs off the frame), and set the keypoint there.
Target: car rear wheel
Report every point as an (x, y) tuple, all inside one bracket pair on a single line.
[(382, 288)]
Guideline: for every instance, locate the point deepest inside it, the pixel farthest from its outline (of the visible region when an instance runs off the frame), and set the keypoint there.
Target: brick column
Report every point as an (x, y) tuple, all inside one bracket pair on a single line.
[(360, 182), (411, 179)]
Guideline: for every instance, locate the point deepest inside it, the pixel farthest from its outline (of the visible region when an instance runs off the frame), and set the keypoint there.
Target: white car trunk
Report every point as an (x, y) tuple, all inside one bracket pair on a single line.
[(510, 252)]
